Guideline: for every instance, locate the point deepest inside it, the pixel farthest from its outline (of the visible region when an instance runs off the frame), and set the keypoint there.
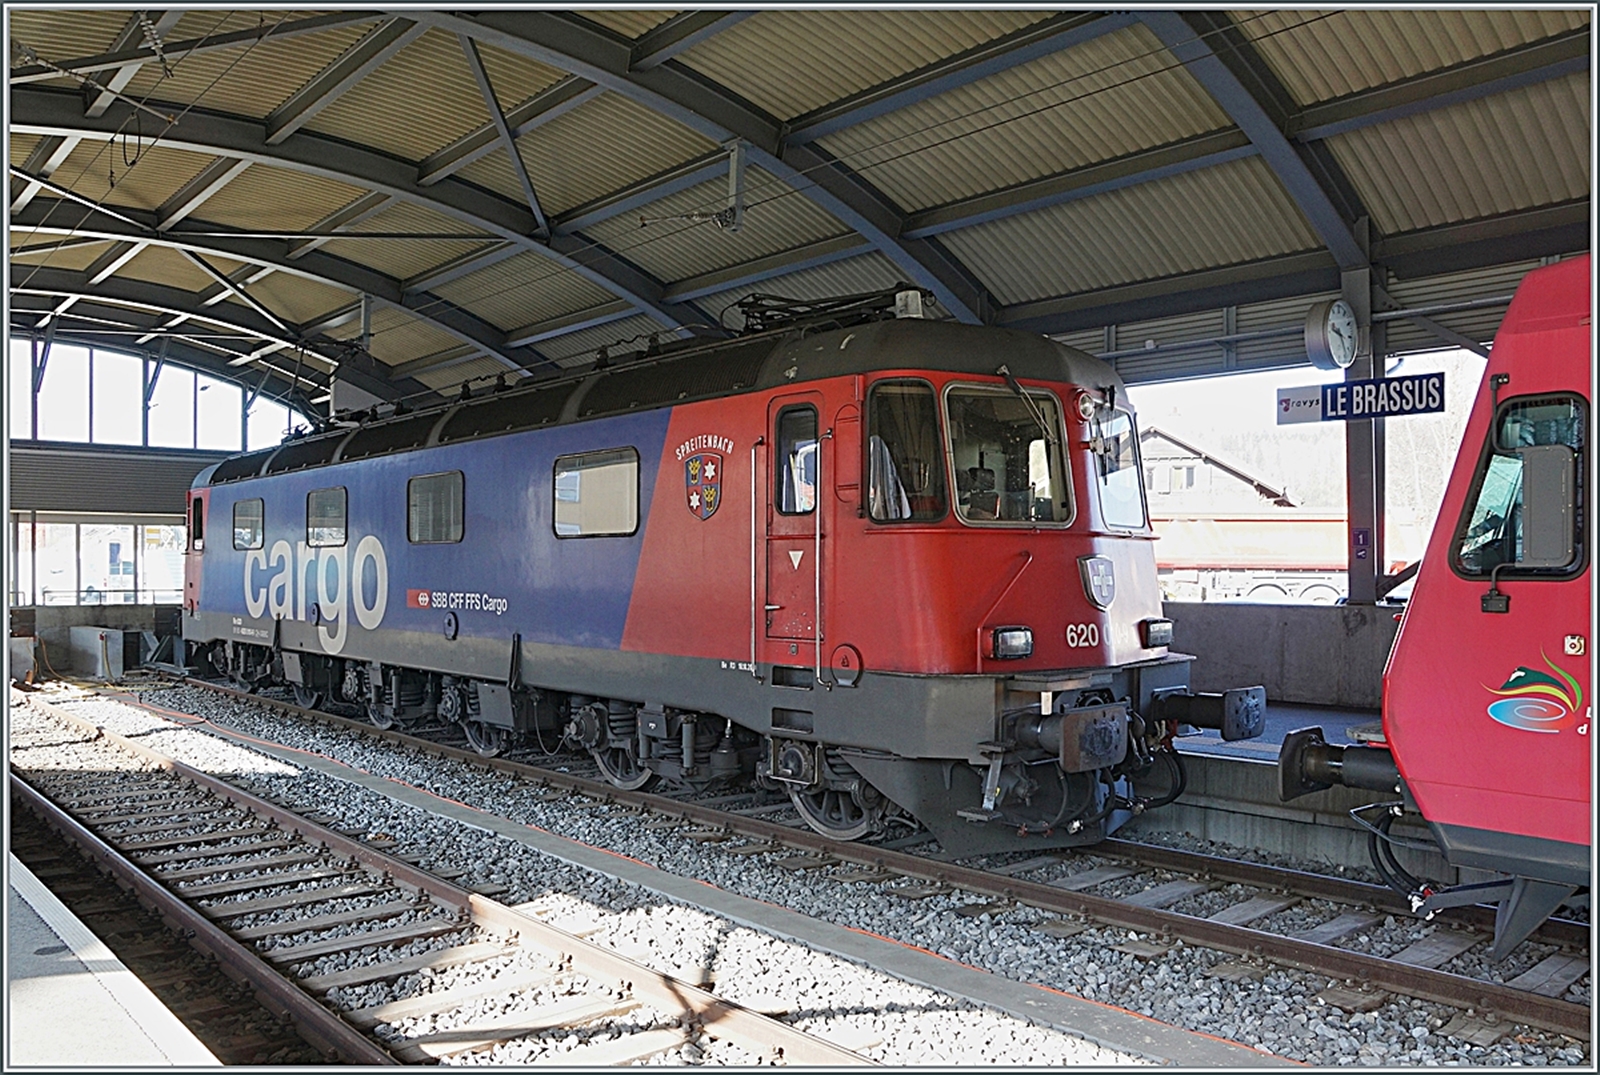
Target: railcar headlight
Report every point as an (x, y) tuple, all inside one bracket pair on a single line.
[(1155, 633), (1086, 406), (1009, 642)]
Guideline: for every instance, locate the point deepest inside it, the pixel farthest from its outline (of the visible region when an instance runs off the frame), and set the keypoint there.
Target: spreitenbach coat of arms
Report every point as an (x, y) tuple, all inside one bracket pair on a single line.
[(702, 479)]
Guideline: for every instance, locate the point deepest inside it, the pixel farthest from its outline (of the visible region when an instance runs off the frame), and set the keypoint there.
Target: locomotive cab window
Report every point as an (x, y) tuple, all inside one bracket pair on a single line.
[(248, 531), (197, 525), (1117, 473), (435, 508), (1525, 514), (325, 517), (905, 481), (796, 480), (1006, 454), (597, 494)]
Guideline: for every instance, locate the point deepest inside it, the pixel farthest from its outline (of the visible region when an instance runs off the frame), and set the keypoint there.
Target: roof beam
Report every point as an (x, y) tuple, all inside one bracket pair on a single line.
[(531, 114), (1525, 65), (333, 81), (550, 328), (679, 34), (106, 265), (1191, 36), (690, 173), (1063, 31), (221, 279), (456, 268), (809, 256), (193, 194), (1148, 165), (51, 153), (508, 142), (591, 52), (193, 46), (363, 208), (131, 33), (52, 112), (454, 356)]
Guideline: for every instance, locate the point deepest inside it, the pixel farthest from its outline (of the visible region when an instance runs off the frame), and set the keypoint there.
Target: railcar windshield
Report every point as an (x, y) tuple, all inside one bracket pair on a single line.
[(1491, 532), (905, 482), (1116, 450), (1006, 453)]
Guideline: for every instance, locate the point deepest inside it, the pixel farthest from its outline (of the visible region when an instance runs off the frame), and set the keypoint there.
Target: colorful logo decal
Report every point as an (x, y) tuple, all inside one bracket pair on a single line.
[(1533, 701), (702, 479)]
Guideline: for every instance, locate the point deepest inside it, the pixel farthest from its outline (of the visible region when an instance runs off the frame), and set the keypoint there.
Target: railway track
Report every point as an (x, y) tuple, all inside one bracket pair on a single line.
[(311, 918), (1162, 895)]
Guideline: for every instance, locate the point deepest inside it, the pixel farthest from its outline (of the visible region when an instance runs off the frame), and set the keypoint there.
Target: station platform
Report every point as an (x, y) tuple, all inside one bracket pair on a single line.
[(1338, 726), (70, 1003)]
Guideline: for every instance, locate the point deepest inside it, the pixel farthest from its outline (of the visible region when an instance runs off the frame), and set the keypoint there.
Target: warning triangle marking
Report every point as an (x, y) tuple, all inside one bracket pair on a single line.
[(794, 557)]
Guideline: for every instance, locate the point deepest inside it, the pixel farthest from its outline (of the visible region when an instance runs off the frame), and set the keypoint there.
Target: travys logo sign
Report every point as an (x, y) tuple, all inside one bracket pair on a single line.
[(1535, 701)]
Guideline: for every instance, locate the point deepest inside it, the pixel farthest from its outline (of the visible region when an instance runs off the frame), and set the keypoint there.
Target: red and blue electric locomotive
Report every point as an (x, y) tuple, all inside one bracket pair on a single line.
[(1487, 697), (899, 567)]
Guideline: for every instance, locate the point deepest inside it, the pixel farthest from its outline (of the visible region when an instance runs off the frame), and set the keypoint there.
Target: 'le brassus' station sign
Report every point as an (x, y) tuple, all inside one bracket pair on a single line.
[(1345, 401)]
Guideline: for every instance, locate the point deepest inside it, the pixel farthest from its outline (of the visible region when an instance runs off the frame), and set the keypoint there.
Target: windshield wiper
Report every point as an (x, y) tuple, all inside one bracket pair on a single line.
[(1032, 405)]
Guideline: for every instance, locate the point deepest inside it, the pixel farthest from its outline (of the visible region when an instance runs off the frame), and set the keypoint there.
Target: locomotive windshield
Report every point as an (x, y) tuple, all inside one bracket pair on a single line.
[(1006, 469), (1492, 532), (904, 480)]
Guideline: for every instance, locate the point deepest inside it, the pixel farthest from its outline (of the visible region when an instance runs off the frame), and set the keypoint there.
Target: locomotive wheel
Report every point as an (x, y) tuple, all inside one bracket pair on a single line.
[(621, 767), (379, 719), (306, 698), (486, 739), (847, 811)]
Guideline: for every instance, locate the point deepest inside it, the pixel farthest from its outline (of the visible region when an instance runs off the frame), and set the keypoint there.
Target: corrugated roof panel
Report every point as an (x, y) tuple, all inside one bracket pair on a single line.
[(423, 99), (869, 272), (451, 377), (790, 62), (156, 174), (399, 337), (515, 78), (580, 348), (274, 199), (21, 146), (493, 170), (209, 22), (164, 265), (296, 299), (593, 150), (78, 257), (1480, 324), (1092, 340), (1231, 213), (522, 290), (1320, 55), (1106, 98), (1519, 149), (776, 218), (630, 24), (403, 258), (249, 79), (59, 35)]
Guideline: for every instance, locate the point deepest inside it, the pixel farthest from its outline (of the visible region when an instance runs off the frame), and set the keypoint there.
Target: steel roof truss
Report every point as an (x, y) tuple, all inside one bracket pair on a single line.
[(161, 22), (193, 194), (531, 114), (679, 34), (362, 209), (469, 49), (51, 153), (340, 76)]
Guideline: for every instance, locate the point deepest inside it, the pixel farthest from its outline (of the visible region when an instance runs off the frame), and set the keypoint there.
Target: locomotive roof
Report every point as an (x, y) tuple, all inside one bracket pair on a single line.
[(685, 374)]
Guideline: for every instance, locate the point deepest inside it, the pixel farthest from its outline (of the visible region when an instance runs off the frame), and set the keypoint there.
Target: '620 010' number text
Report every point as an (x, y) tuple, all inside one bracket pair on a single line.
[(1083, 634)]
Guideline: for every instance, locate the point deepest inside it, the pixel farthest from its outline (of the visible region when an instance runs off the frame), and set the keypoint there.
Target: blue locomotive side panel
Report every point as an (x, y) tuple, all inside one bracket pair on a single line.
[(508, 573)]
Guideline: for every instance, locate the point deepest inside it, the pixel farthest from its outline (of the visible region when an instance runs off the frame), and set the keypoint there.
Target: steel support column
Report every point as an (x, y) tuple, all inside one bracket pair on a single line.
[(1363, 448)]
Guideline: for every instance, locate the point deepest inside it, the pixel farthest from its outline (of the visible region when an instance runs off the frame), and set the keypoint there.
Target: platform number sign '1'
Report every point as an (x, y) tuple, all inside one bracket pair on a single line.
[(1347, 401)]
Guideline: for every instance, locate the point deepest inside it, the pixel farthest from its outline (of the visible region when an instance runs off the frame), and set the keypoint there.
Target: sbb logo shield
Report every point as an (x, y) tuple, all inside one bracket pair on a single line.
[(702, 480)]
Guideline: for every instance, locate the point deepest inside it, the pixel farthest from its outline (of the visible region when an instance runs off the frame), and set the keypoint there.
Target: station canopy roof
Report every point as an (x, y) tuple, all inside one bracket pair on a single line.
[(502, 191)]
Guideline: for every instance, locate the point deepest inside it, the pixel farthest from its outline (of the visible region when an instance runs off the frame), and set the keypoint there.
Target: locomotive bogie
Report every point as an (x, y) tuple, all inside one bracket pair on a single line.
[(848, 569)]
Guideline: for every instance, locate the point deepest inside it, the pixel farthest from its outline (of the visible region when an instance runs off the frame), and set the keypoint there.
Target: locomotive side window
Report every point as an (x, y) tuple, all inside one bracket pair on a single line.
[(197, 525), (1546, 434), (1007, 456), (435, 508), (905, 482), (597, 493), (1116, 448), (796, 459), (325, 513), (248, 531)]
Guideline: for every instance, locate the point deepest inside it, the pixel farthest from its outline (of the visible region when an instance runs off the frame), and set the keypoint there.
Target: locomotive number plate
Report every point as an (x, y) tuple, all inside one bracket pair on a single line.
[(1083, 634)]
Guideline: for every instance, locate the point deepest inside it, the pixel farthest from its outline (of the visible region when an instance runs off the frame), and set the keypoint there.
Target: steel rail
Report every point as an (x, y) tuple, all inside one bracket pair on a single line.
[(707, 1009), (1563, 1017)]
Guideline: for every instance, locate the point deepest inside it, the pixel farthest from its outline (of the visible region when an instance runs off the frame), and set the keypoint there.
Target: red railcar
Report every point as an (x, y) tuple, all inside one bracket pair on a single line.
[(1487, 699)]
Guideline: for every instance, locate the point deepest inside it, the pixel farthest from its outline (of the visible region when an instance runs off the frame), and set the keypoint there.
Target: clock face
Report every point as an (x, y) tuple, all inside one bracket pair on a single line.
[(1341, 323)]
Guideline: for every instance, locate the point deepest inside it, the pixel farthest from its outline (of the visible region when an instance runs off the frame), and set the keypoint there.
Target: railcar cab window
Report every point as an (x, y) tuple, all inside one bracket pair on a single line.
[(905, 481), (197, 525), (435, 508), (1115, 444), (325, 517), (248, 531), (597, 494), (1535, 451), (1006, 452), (796, 480)]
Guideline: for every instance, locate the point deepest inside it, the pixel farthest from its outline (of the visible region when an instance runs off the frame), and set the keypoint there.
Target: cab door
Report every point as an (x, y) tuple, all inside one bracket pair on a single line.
[(794, 568), (196, 547)]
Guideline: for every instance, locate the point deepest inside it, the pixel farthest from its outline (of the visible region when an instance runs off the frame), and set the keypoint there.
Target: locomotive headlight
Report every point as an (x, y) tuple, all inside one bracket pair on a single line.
[(1009, 642), (1086, 406), (1155, 633)]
